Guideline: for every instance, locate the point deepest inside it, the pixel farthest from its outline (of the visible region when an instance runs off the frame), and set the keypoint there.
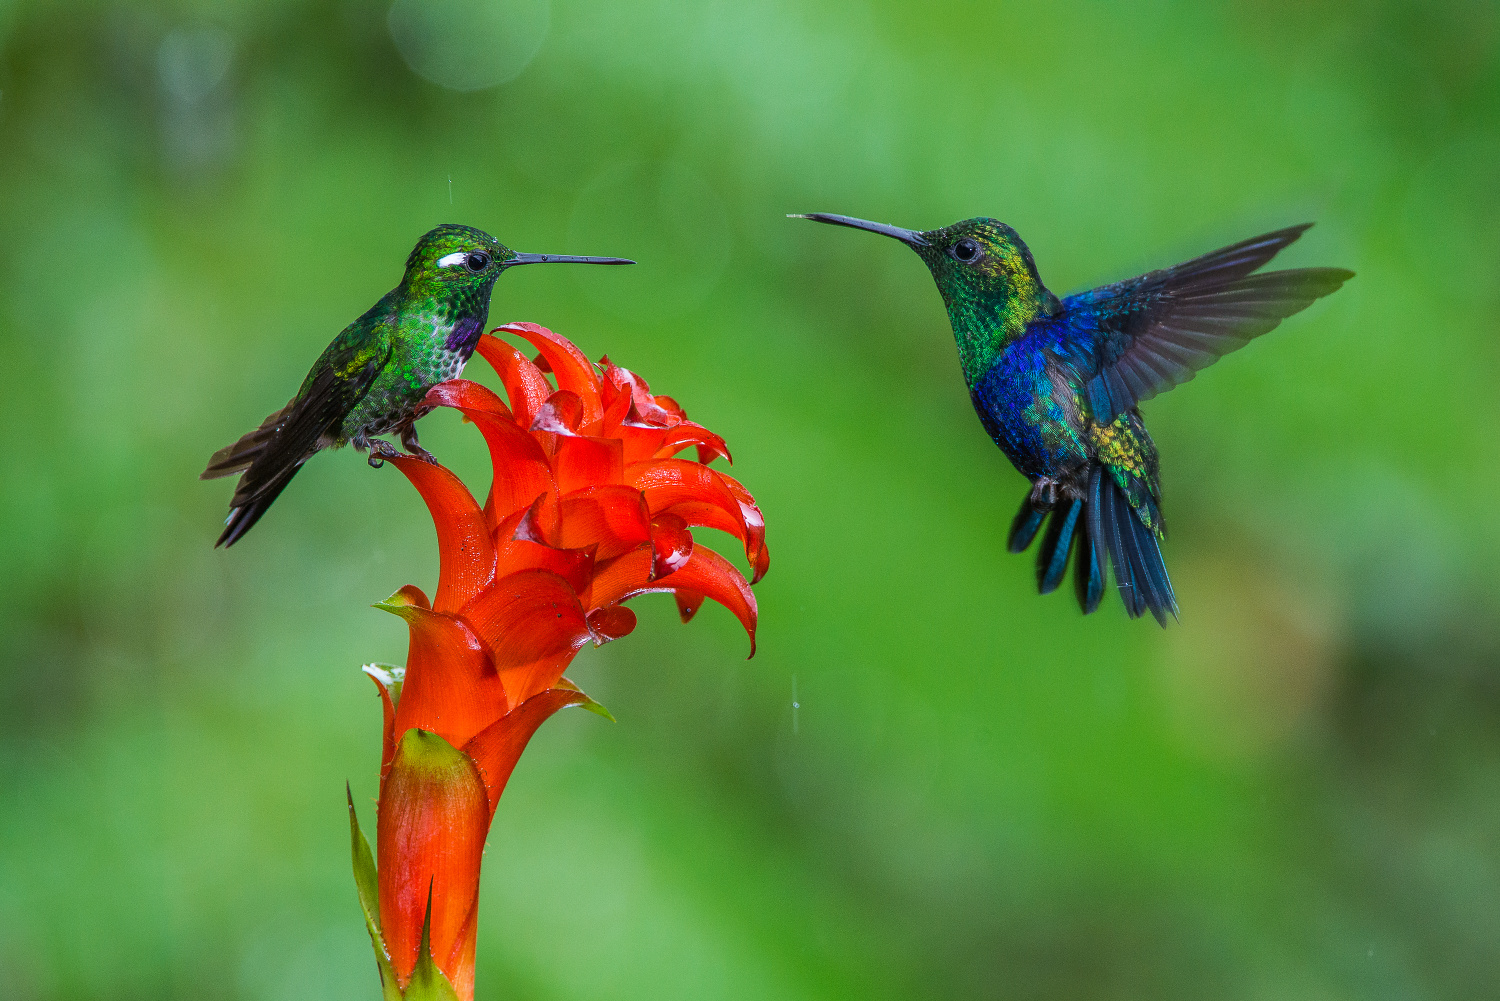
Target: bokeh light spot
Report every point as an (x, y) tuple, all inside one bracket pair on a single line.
[(469, 44)]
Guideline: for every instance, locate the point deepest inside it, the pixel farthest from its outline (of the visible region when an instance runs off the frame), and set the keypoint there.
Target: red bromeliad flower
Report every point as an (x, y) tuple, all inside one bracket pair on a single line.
[(589, 507)]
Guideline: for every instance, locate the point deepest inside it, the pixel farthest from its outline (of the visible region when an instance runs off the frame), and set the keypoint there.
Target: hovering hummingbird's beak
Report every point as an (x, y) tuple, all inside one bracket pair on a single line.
[(910, 237), (560, 259)]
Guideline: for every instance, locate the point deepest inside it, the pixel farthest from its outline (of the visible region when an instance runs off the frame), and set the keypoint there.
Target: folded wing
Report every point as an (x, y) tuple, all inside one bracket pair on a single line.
[(270, 455)]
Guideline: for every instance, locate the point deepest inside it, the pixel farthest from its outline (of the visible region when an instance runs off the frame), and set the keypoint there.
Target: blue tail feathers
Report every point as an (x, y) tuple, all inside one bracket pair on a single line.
[(1100, 522)]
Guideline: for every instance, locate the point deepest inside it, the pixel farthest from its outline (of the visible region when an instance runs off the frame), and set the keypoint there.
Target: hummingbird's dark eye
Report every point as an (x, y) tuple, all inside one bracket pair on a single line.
[(965, 250), (477, 261)]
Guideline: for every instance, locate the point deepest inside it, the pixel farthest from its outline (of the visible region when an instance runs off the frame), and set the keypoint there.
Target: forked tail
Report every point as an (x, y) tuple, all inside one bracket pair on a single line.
[(1101, 521)]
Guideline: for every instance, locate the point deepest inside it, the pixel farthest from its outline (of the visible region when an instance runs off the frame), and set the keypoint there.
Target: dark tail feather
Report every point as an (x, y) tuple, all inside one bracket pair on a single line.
[(1024, 528), (1115, 545), (1052, 557), (237, 457), (1140, 573), (1151, 571), (243, 516), (1088, 575), (1100, 522), (267, 462)]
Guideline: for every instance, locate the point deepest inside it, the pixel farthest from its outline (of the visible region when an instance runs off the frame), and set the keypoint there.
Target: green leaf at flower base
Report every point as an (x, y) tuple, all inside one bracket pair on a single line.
[(587, 703), (428, 983), (369, 902)]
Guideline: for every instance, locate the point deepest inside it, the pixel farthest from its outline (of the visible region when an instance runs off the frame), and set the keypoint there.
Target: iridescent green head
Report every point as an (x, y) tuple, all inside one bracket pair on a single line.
[(986, 276), (460, 264)]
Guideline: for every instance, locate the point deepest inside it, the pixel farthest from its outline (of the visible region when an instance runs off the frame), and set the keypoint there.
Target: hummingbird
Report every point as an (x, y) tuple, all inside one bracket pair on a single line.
[(1057, 383), (372, 379)]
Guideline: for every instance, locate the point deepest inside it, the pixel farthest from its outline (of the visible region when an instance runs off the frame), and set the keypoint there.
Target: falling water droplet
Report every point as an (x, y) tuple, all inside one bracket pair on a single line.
[(796, 705)]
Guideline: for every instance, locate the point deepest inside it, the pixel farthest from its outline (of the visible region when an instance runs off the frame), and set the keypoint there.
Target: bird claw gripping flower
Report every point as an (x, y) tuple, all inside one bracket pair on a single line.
[(590, 505)]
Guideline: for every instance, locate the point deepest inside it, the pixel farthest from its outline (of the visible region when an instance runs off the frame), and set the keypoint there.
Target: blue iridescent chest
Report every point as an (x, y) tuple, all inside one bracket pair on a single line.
[(1027, 410)]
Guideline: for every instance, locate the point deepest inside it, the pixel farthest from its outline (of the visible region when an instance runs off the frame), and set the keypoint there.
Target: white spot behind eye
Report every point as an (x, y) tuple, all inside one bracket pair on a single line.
[(453, 259)]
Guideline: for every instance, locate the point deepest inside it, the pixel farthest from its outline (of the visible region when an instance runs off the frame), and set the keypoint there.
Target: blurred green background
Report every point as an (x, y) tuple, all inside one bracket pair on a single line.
[(980, 794)]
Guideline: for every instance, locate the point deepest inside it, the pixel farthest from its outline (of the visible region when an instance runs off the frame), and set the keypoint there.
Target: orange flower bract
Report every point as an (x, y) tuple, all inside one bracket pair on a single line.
[(590, 505)]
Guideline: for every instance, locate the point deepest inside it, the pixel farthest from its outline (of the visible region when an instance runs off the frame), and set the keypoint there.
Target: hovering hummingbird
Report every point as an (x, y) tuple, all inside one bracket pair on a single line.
[(372, 379), (1056, 382)]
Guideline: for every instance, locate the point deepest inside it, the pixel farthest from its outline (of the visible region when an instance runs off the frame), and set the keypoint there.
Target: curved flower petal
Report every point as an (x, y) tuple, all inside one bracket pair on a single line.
[(468, 395), (671, 544), (661, 411), (430, 829), (613, 519), (710, 574), (451, 687), (466, 553), (710, 445), (528, 616), (524, 383), (688, 603), (521, 469), (666, 482), (622, 391), (611, 623), (617, 402), (670, 405), (704, 497), (561, 414), (616, 578), (640, 442), (496, 750), (572, 369), (533, 624), (585, 462), (755, 527), (520, 546), (704, 514)]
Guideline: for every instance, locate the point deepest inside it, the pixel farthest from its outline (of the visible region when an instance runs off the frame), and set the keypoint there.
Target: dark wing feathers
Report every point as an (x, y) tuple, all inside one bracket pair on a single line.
[(271, 454), (326, 400), (237, 457), (1134, 339)]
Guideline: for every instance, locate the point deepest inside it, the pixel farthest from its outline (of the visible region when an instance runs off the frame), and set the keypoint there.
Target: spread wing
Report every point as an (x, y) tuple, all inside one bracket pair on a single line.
[(270, 455), (1129, 341)]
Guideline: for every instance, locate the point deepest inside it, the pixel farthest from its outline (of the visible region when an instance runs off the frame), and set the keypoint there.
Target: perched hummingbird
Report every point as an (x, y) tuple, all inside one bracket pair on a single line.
[(1056, 382), (371, 380)]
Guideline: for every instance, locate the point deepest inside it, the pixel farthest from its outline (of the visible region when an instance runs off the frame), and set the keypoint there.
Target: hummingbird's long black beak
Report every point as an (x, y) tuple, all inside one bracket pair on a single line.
[(910, 237), (561, 259)]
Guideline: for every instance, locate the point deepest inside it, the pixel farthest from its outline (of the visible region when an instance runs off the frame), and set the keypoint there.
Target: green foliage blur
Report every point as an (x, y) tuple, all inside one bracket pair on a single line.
[(930, 782)]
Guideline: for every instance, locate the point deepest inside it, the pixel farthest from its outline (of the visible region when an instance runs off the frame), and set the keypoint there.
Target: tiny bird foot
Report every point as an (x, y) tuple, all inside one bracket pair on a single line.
[(381, 450), (409, 442), (1044, 492)]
